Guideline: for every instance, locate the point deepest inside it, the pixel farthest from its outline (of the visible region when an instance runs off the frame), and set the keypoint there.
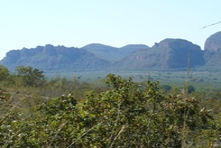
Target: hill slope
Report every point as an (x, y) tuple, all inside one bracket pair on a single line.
[(213, 43), (50, 58), (212, 51), (113, 54), (168, 54)]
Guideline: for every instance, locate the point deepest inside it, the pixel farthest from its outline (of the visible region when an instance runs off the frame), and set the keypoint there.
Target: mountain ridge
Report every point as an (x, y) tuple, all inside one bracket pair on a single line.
[(167, 54), (111, 53), (50, 58)]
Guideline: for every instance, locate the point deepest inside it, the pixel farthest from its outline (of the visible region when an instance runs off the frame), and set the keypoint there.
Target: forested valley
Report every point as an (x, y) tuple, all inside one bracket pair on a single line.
[(39, 112)]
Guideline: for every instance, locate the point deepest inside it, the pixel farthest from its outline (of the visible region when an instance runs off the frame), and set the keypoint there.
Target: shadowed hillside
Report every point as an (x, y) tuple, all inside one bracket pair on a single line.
[(213, 43), (168, 54), (51, 58), (212, 51), (113, 54)]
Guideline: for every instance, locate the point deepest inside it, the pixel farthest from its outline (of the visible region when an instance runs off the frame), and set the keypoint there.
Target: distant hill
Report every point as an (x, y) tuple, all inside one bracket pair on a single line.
[(113, 54), (212, 51), (213, 60), (213, 43), (128, 49), (168, 54), (51, 58)]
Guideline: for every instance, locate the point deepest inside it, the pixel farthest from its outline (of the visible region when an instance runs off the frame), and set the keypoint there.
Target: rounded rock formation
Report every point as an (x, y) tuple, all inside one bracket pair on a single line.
[(213, 43)]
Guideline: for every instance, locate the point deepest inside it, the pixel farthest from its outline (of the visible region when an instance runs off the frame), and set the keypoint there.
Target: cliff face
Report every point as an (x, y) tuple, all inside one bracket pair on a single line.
[(213, 43), (54, 58), (165, 55), (168, 54), (183, 53), (176, 44), (212, 51), (49, 50)]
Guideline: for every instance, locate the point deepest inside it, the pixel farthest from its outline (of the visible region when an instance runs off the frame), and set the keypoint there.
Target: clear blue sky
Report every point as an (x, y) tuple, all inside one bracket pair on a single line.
[(29, 23)]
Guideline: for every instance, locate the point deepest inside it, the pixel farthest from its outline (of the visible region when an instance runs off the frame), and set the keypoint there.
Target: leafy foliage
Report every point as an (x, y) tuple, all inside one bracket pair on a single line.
[(4, 73), (30, 76), (126, 114)]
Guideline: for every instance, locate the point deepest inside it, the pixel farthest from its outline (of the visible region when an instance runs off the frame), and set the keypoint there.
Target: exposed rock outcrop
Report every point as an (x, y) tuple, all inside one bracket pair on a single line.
[(182, 53), (213, 43), (212, 52), (51, 58), (178, 54), (49, 50), (168, 54)]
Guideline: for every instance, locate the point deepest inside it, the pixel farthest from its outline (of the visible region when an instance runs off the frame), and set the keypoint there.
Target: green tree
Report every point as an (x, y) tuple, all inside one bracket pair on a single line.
[(30, 76), (167, 88), (190, 89), (4, 73)]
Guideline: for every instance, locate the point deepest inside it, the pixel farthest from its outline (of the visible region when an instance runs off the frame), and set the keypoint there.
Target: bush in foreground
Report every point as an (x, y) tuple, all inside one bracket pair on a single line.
[(126, 115)]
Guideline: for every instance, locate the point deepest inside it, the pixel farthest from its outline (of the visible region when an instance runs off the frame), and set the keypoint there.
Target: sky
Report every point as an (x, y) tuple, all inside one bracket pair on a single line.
[(76, 23)]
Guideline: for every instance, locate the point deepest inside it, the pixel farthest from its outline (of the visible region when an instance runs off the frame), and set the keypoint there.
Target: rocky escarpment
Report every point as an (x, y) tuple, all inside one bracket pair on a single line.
[(182, 53), (213, 43), (54, 58), (212, 51), (167, 54), (175, 54)]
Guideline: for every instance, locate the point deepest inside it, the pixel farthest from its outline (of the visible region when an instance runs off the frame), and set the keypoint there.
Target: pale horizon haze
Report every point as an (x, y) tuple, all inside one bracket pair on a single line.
[(75, 23)]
